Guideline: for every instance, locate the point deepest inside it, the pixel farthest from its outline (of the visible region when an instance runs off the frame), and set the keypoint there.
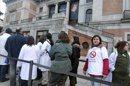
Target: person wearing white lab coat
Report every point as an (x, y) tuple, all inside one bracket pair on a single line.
[(112, 61), (39, 44), (3, 64), (119, 64), (45, 58), (29, 52)]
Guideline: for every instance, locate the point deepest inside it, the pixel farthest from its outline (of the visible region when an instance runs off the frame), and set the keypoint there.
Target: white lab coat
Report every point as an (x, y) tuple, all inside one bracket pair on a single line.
[(39, 44), (28, 53), (112, 61), (3, 39), (44, 57)]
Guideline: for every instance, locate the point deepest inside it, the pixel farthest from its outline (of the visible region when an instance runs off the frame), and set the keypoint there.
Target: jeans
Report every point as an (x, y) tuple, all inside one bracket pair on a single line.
[(3, 71), (12, 70), (96, 83)]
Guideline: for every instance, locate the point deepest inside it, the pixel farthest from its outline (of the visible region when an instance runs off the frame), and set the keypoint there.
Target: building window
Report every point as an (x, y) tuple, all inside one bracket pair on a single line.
[(73, 18), (88, 15), (12, 18), (87, 1), (128, 37), (26, 33), (62, 8), (85, 45), (51, 10), (41, 0), (40, 33), (40, 9)]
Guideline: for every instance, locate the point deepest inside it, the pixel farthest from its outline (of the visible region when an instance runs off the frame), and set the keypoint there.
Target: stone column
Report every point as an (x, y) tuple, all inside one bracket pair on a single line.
[(67, 13), (67, 9), (56, 8), (126, 4), (45, 9)]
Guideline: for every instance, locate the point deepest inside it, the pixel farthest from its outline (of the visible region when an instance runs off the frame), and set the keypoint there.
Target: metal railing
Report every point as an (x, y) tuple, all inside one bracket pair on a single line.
[(94, 30), (62, 72), (27, 20), (14, 22)]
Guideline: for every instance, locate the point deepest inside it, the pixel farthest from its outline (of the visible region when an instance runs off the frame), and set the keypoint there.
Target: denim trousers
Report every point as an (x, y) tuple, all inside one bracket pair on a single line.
[(96, 83), (3, 71)]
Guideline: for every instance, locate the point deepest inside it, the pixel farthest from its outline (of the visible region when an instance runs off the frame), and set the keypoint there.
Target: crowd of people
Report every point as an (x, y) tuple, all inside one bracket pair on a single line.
[(62, 57)]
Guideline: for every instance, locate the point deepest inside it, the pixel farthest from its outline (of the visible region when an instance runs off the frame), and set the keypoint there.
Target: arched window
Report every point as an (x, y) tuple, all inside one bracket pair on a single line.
[(87, 1), (88, 15)]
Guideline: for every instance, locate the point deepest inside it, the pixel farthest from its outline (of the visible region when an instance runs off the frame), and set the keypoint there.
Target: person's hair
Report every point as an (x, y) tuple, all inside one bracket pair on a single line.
[(75, 40), (49, 36), (63, 37), (8, 30), (18, 30), (30, 40), (42, 38), (95, 37), (120, 45)]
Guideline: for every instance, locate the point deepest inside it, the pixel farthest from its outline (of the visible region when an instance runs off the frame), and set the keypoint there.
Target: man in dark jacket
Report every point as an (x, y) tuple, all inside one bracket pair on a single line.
[(13, 46)]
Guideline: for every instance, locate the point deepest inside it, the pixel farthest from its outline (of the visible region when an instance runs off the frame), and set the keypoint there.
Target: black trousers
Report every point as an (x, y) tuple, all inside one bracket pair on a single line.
[(25, 82), (73, 80), (3, 71)]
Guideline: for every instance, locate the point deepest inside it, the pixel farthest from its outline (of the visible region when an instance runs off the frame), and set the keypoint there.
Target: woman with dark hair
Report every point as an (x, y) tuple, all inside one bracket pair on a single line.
[(60, 53), (97, 61), (119, 64), (29, 53), (75, 59), (45, 58)]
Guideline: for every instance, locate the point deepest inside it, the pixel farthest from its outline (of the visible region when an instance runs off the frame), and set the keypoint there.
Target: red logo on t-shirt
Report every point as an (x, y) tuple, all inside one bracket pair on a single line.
[(92, 54)]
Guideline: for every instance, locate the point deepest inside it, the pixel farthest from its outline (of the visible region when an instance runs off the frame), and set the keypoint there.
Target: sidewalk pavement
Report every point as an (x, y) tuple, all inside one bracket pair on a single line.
[(80, 82)]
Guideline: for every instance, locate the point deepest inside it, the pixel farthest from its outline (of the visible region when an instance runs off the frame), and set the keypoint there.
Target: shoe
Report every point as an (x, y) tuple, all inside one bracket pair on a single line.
[(3, 80)]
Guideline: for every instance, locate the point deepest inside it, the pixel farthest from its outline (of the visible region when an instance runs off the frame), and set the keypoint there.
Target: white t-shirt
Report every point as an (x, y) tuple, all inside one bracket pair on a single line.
[(95, 58)]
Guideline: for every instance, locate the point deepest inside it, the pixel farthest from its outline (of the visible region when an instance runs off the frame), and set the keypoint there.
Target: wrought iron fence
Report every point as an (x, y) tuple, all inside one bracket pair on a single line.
[(62, 72)]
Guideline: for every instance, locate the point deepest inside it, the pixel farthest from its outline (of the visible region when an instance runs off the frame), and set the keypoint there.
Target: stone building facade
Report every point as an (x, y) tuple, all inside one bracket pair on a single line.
[(37, 17), (84, 18), (111, 16)]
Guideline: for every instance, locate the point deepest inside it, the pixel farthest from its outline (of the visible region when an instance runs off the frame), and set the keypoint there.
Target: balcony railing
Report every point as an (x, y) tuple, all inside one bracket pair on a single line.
[(27, 20), (14, 22), (8, 1), (126, 16)]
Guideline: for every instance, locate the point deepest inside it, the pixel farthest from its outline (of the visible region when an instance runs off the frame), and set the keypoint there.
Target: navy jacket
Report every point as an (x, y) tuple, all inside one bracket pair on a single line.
[(14, 44)]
